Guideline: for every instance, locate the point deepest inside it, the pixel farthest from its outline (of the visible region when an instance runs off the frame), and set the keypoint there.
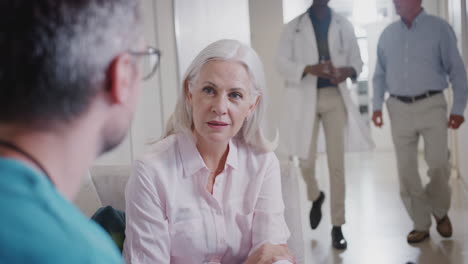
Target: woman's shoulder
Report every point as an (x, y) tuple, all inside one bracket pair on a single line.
[(251, 152), (160, 164), (160, 151)]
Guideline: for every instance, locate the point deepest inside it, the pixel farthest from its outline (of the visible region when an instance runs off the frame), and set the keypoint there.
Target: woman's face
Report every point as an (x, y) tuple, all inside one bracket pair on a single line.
[(221, 99)]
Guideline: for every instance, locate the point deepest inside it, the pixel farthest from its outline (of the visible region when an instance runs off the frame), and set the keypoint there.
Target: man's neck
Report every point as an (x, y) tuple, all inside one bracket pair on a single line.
[(409, 18), (63, 155), (319, 11)]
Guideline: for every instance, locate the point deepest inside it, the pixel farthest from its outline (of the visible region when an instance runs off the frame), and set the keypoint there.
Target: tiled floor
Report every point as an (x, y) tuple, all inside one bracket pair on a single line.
[(377, 223)]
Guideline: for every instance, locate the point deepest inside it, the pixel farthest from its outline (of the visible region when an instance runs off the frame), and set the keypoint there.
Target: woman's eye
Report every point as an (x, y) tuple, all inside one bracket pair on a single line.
[(208, 90), (236, 95)]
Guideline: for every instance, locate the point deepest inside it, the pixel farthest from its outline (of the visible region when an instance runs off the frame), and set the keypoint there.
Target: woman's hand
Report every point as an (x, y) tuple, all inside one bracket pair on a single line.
[(269, 253)]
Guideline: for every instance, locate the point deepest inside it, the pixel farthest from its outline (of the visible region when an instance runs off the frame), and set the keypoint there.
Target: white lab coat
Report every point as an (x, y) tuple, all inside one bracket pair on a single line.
[(298, 48)]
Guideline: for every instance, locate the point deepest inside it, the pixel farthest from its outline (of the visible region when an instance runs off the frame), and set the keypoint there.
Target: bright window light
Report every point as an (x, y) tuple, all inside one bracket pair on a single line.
[(364, 11)]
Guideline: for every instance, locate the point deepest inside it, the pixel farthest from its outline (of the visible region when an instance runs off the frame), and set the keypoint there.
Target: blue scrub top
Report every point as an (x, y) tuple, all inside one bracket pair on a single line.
[(38, 225)]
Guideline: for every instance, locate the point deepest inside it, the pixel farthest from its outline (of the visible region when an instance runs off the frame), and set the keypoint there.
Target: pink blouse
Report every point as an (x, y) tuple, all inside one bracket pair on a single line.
[(172, 218)]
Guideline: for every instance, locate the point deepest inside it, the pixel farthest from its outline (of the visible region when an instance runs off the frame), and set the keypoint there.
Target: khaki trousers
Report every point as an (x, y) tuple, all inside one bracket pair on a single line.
[(331, 111), (426, 118)]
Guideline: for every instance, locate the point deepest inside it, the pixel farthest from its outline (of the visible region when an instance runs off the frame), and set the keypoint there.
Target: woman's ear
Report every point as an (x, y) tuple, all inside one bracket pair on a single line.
[(252, 107), (188, 94)]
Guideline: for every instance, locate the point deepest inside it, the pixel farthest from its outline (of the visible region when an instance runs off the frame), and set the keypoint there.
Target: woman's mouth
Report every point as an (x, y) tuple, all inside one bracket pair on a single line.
[(217, 124)]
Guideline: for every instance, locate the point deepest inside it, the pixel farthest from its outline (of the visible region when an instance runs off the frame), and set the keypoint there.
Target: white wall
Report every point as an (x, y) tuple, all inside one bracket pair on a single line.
[(159, 94), (152, 111), (201, 22), (433, 7), (292, 8), (168, 70), (266, 23)]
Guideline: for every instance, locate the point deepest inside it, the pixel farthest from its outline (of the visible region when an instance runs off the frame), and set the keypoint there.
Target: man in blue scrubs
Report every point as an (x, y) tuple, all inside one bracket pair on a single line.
[(69, 81)]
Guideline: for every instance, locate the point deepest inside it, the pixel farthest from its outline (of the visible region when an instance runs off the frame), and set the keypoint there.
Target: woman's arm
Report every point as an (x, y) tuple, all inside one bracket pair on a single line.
[(147, 235), (268, 253)]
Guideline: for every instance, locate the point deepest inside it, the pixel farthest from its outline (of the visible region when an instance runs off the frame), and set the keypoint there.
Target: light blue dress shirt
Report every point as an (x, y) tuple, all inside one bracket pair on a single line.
[(37, 225), (413, 61)]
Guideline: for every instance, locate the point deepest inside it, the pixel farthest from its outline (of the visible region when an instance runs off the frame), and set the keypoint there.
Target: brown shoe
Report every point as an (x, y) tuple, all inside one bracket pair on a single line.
[(417, 236), (444, 226)]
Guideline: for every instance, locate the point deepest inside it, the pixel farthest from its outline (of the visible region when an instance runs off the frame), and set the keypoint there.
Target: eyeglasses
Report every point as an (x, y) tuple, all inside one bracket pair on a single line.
[(148, 61)]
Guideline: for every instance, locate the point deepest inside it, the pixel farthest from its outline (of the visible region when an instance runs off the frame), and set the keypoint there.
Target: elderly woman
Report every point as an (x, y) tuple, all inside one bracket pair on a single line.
[(210, 190)]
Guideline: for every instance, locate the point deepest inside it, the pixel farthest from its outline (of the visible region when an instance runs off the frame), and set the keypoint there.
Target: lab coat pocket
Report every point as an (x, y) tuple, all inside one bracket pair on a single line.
[(186, 236)]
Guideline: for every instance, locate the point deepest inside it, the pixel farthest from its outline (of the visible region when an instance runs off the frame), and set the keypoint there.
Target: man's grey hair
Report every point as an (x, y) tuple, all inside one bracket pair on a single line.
[(227, 50), (55, 54)]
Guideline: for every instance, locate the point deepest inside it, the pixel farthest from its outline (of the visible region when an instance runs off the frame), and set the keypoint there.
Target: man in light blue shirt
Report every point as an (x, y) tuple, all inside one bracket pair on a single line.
[(69, 82), (416, 58)]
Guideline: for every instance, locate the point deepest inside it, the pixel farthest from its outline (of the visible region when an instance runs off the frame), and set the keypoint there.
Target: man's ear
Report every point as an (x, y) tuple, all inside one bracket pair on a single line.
[(122, 77)]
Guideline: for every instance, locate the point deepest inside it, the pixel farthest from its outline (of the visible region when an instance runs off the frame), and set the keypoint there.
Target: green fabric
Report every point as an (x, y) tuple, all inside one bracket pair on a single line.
[(113, 221), (38, 225)]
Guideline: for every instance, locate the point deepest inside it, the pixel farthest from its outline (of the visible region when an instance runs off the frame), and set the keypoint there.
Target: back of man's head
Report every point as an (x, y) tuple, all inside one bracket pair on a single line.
[(55, 54)]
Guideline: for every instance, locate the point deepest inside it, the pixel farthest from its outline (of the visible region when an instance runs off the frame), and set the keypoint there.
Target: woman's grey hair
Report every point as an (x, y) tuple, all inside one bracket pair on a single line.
[(227, 50)]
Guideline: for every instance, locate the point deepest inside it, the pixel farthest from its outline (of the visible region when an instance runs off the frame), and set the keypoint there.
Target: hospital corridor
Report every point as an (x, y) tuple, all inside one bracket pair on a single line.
[(378, 222), (234, 131)]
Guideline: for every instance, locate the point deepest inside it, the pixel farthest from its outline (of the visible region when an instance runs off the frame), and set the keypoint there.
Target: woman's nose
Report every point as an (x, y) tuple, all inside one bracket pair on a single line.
[(220, 105)]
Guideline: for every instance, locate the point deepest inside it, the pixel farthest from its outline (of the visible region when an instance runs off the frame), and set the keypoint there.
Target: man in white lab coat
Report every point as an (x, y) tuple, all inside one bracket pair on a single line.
[(318, 51)]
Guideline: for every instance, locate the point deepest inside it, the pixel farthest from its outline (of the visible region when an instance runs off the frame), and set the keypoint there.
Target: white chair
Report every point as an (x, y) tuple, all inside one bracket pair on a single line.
[(290, 174), (105, 185)]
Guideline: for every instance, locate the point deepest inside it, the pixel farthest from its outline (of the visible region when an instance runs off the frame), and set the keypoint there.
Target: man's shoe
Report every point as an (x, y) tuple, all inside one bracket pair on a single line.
[(444, 226), (316, 212), (338, 240), (417, 236)]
